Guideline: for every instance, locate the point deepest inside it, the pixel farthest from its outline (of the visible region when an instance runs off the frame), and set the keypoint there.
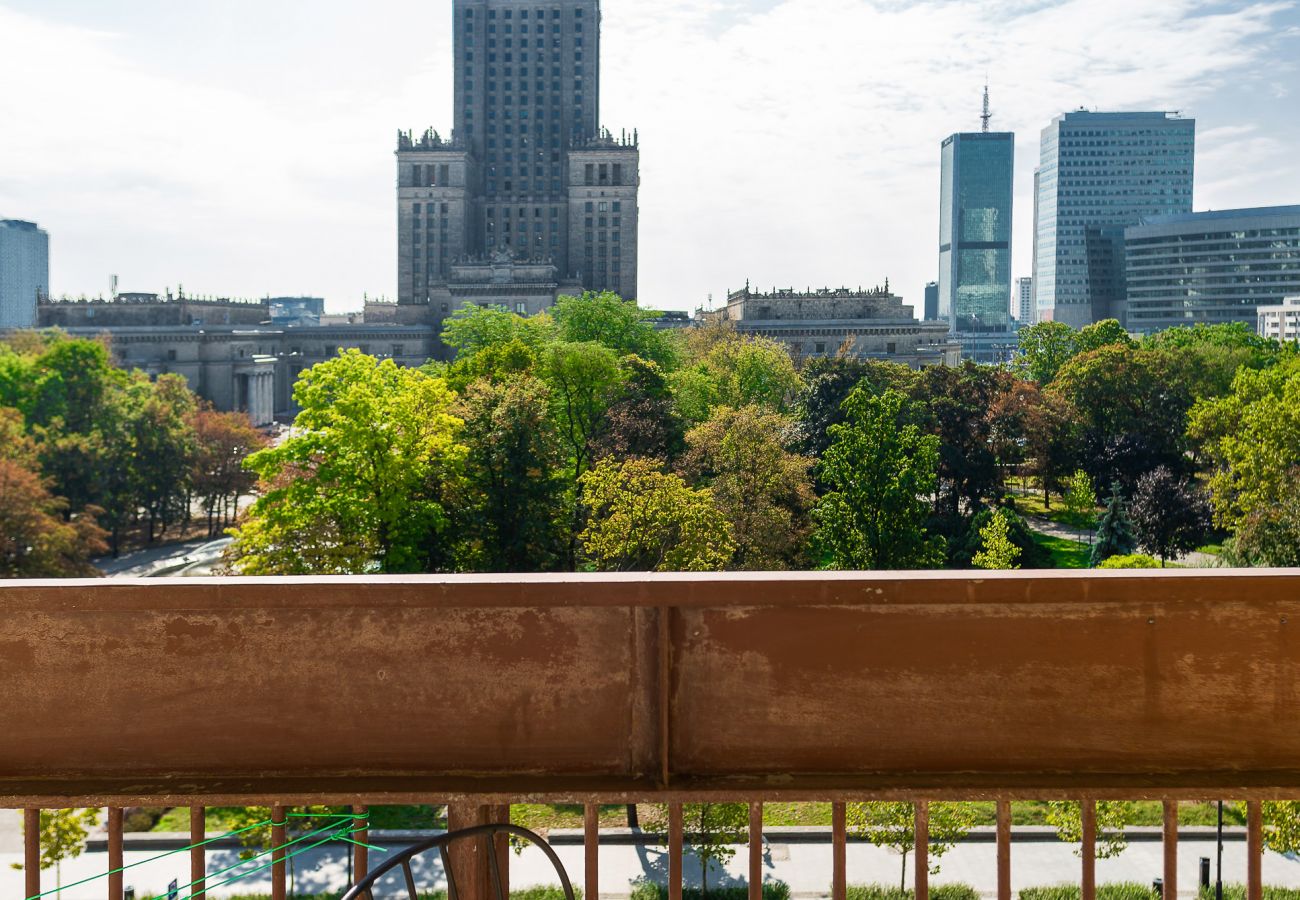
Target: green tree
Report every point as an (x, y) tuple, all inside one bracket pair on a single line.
[(472, 329), (712, 830), (1044, 348), (1252, 439), (828, 381), (1052, 432), (1114, 531), (1081, 500), (893, 826), (1113, 817), (1269, 536), (609, 320), (996, 551), (583, 379), (763, 489), (1107, 332), (881, 473), (643, 519), (1170, 514), (63, 836), (360, 484), (736, 371), (514, 505)]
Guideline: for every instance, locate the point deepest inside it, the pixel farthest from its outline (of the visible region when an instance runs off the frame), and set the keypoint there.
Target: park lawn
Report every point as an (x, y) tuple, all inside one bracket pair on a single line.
[(1065, 554)]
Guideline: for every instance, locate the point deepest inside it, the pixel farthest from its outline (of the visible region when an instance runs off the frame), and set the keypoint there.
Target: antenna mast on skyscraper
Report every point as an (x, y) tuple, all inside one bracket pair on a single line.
[(986, 116)]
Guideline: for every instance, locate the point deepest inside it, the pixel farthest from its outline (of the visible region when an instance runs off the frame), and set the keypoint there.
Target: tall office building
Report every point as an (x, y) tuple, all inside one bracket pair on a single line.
[(24, 272), (1210, 267), (1097, 174), (528, 178), (975, 233), (1024, 309), (931, 310)]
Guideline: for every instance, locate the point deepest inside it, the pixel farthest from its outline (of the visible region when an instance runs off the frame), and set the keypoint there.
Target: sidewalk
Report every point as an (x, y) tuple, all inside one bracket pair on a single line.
[(800, 857)]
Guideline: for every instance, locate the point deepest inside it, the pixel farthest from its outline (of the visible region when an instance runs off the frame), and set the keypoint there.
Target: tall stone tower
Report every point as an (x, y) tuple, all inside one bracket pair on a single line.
[(527, 177)]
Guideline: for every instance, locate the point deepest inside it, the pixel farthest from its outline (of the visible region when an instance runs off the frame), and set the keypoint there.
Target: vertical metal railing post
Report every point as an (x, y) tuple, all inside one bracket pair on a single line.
[(1254, 850), (32, 851), (1004, 850), (755, 851), (361, 834), (1088, 822), (591, 851), (1169, 885), (675, 838), (279, 819), (115, 853), (198, 852), (839, 853), (922, 851)]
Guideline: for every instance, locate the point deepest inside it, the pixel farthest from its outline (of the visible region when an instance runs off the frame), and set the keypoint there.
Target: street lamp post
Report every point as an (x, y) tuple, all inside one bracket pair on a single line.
[(1218, 874)]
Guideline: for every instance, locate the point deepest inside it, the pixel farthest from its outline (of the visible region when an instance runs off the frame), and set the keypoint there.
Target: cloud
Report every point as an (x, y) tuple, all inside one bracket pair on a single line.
[(789, 141)]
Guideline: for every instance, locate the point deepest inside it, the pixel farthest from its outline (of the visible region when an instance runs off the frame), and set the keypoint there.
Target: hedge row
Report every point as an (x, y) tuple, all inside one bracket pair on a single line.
[(1115, 890), (650, 890), (1238, 892), (888, 892), (541, 892)]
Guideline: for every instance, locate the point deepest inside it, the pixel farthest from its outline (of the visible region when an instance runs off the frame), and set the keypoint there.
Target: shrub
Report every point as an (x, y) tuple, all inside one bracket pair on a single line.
[(1237, 891), (650, 890), (889, 892), (142, 818), (1130, 561), (1118, 890), (537, 892)]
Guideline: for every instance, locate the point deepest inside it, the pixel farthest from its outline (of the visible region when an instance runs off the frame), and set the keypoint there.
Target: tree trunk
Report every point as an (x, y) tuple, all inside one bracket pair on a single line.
[(902, 878)]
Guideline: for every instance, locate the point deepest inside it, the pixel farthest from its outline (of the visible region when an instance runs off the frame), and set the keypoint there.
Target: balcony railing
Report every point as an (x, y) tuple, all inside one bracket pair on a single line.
[(479, 691)]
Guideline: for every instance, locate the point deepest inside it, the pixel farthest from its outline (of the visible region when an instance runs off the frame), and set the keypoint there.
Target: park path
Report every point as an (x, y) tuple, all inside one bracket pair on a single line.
[(1193, 560)]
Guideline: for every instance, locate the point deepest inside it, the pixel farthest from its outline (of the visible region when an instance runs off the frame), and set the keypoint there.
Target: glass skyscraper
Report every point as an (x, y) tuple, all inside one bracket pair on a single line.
[(975, 231), (1097, 174), (24, 272)]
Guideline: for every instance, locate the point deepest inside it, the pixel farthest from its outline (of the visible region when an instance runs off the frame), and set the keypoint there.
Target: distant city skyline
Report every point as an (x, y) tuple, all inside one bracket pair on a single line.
[(244, 150)]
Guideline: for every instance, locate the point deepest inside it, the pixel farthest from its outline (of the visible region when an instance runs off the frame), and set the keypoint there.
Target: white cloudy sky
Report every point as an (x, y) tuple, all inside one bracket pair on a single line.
[(244, 147)]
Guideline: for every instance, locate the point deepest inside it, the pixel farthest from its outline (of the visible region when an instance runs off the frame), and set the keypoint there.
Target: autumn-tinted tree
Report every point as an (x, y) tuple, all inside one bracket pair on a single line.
[(641, 419), (513, 510), (761, 487), (1114, 531), (222, 441), (1170, 514), (881, 473), (35, 539), (361, 483), (643, 519)]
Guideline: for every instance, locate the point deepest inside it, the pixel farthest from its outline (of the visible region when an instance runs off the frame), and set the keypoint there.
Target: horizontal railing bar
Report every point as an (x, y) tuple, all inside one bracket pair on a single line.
[(646, 589)]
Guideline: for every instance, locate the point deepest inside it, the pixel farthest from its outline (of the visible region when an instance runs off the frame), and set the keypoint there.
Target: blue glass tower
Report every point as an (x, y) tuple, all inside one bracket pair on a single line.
[(975, 231)]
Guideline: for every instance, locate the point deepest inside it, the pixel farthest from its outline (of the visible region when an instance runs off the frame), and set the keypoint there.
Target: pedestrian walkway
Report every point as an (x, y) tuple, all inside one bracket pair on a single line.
[(801, 860)]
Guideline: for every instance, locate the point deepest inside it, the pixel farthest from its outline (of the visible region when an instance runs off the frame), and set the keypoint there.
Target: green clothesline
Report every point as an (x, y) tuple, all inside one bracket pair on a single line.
[(340, 830)]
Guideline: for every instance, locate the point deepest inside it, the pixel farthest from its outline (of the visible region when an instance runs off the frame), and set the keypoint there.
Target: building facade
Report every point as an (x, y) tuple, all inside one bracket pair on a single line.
[(1098, 173), (528, 174), (1210, 267), (1281, 322), (975, 231), (871, 324), (142, 310), (1024, 305), (24, 272)]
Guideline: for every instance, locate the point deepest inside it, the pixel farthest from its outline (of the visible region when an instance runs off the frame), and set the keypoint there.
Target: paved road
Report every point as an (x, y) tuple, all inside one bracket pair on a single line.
[(805, 866)]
